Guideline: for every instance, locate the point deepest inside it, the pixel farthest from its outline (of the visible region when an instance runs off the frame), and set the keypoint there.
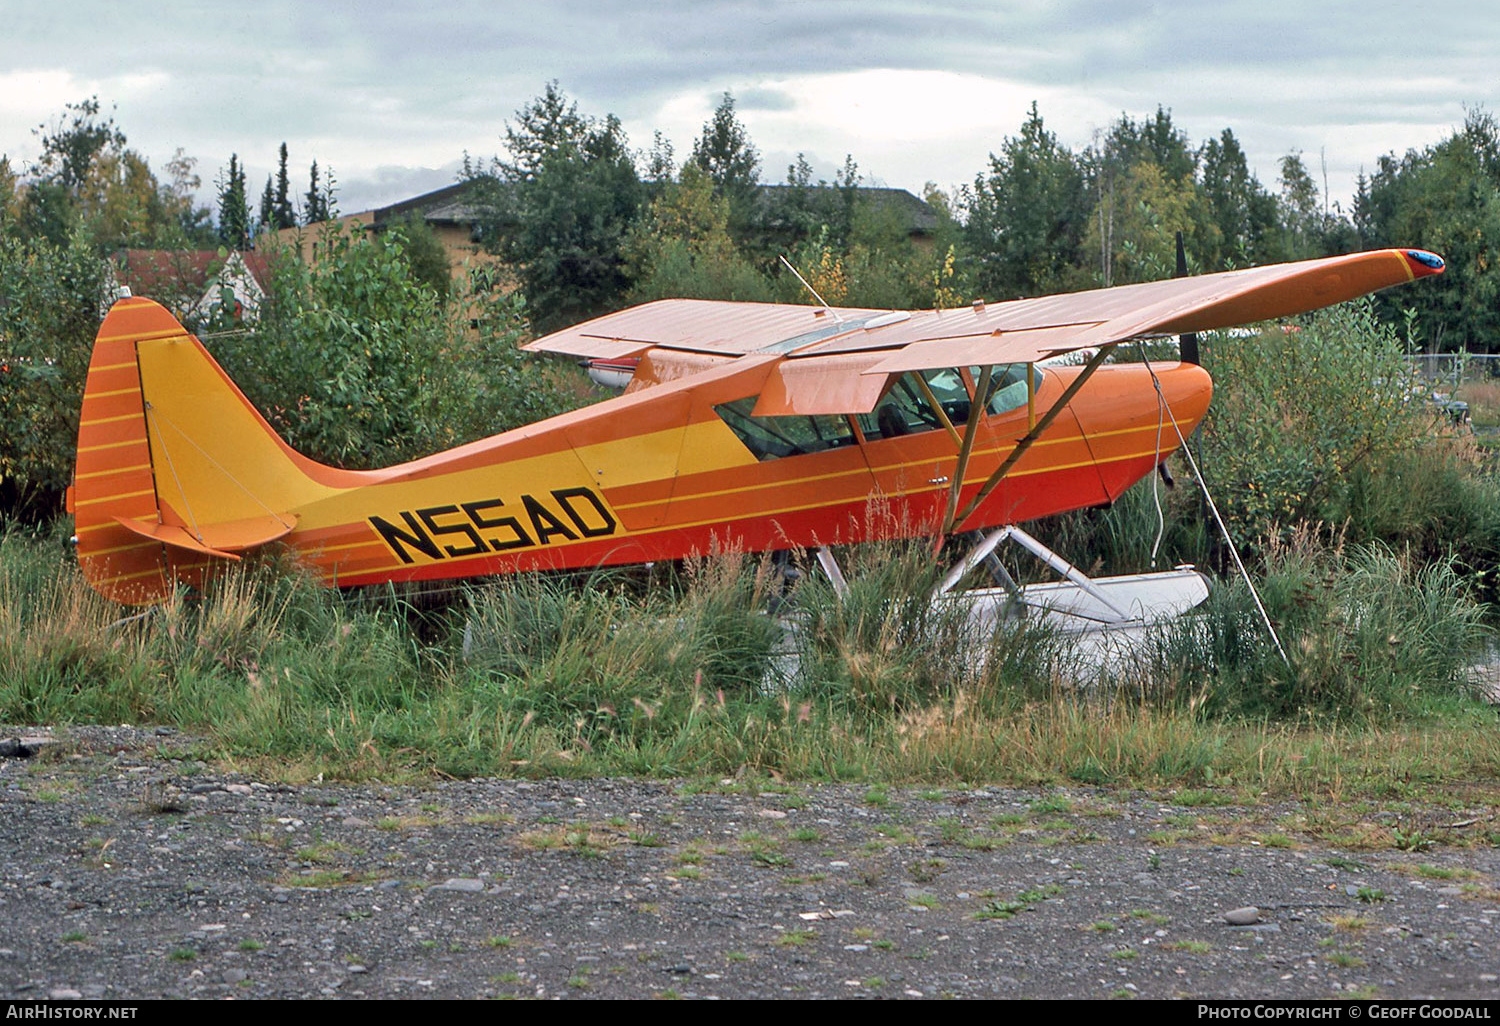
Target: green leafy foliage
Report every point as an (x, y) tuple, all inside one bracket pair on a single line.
[(357, 363), (234, 206), (681, 248), (560, 212), (50, 299), (1026, 215), (1445, 198), (724, 152), (88, 179), (1299, 411), (1242, 211)]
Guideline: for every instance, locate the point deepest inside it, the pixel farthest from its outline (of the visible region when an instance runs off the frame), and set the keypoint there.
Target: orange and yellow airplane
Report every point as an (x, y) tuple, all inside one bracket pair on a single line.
[(756, 426)]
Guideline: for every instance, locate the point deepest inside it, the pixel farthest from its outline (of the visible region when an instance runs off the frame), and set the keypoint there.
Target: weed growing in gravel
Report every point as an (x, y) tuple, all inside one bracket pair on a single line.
[(323, 852), (1412, 838), (319, 879), (1431, 872), (1349, 865), (1002, 910), (1022, 902)]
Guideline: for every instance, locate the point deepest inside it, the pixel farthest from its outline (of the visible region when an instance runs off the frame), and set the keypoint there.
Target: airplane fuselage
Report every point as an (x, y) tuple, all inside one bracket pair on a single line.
[(661, 474)]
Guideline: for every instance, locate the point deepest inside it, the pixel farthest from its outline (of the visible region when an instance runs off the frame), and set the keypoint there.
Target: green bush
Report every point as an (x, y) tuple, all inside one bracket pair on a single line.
[(1299, 413), (51, 298), (356, 362)]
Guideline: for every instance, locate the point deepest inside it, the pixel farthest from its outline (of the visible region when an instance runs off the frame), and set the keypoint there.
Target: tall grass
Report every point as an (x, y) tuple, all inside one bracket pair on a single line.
[(1368, 635), (544, 675)]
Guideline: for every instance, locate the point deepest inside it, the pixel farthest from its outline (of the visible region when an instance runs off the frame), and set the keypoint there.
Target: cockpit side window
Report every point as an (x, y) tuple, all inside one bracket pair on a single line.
[(770, 438), (906, 409), (1007, 387)]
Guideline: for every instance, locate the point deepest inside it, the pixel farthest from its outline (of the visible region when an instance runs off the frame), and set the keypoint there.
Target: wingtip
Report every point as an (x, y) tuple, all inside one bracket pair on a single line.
[(1423, 263)]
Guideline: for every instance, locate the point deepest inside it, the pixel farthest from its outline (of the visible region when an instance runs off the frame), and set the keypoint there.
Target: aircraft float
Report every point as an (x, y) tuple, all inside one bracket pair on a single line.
[(747, 426)]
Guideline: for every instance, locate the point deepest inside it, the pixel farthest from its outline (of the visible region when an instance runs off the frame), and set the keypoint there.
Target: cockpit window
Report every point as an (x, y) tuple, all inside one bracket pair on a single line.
[(1007, 387), (906, 408), (771, 438)]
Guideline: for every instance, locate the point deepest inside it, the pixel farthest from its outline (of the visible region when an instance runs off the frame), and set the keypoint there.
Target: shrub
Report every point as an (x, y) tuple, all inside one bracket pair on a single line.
[(356, 362), (50, 303), (1298, 413)]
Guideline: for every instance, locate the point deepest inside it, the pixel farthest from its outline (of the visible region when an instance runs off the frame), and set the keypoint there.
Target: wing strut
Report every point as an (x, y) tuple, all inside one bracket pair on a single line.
[(976, 414), (1025, 443), (937, 408)]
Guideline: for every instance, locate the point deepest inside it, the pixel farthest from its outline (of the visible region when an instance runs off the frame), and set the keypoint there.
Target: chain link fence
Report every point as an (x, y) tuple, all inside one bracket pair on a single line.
[(1449, 370)]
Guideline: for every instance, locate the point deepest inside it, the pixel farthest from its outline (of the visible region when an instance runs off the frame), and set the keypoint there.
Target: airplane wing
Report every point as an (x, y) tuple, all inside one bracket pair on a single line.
[(1019, 331)]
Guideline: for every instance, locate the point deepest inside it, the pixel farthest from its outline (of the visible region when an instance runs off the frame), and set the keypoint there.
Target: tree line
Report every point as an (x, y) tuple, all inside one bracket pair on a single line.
[(591, 225), (88, 179), (588, 223)]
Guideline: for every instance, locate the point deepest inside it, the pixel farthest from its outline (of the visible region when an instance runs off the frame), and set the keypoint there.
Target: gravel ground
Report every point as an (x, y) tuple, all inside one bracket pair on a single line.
[(131, 870)]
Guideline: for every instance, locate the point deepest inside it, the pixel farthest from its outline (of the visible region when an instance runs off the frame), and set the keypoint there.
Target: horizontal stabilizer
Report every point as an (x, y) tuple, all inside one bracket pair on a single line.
[(214, 539)]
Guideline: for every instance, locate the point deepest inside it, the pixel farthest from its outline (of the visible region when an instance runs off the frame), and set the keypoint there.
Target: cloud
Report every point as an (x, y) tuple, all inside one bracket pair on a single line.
[(914, 89), (764, 98)]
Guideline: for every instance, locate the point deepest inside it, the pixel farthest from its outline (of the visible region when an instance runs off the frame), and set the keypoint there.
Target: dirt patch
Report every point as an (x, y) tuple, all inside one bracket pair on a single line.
[(133, 871)]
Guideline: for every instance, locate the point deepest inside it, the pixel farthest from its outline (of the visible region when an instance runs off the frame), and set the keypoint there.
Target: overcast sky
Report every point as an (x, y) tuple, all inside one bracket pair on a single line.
[(390, 95)]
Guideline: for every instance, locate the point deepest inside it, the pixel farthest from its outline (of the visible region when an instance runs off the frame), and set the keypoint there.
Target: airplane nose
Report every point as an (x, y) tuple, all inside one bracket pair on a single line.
[(1187, 389)]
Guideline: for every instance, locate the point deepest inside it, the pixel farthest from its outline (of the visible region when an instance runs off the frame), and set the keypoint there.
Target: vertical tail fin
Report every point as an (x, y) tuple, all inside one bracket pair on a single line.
[(176, 471)]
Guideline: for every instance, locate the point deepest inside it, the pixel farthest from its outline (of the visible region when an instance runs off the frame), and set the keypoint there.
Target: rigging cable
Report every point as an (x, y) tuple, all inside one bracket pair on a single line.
[(1214, 507), (1161, 406)]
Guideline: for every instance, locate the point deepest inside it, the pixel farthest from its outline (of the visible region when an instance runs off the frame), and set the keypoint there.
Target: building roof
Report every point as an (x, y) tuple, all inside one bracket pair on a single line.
[(462, 204), (915, 215), (167, 272), (452, 204)]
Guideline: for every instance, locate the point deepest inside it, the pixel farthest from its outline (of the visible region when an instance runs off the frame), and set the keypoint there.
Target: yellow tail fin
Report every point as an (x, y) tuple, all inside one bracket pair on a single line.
[(176, 470)]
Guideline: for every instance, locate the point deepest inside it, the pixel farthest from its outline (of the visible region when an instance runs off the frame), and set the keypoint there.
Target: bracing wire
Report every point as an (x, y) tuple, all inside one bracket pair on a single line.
[(1214, 508)]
